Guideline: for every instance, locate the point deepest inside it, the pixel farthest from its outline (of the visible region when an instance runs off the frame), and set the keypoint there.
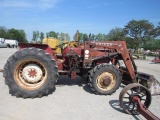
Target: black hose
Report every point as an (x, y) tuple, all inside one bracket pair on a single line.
[(105, 56)]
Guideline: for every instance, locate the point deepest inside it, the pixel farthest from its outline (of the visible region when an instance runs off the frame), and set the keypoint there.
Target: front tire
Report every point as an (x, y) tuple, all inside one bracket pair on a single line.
[(104, 79), (30, 73)]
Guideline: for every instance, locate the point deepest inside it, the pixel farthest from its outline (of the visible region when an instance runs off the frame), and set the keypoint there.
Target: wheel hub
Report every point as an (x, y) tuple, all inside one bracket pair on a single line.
[(134, 96), (106, 81), (32, 73)]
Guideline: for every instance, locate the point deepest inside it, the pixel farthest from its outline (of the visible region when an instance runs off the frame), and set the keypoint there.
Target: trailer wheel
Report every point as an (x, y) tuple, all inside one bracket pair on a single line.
[(30, 73), (131, 91), (104, 79)]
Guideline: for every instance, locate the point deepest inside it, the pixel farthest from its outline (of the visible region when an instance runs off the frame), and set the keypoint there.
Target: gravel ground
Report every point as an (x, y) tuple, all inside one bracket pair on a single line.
[(72, 100)]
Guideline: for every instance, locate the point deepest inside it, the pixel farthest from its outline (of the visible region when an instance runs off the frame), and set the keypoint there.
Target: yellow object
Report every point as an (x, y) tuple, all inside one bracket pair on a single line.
[(53, 43), (72, 44)]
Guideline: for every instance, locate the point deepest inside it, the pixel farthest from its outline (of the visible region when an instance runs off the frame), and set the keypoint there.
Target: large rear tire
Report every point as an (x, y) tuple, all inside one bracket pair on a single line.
[(30, 73), (104, 79)]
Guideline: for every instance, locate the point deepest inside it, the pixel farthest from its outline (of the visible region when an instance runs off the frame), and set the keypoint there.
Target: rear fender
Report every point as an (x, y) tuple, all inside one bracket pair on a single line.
[(40, 46)]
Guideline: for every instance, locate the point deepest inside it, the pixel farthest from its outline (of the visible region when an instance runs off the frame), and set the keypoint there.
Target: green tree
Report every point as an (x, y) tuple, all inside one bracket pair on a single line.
[(34, 36), (58, 35), (22, 37), (81, 37), (93, 36), (15, 34), (52, 34), (139, 32), (12, 33), (41, 36), (85, 37), (99, 37), (3, 32), (116, 34), (153, 44), (157, 30), (37, 36), (62, 36), (157, 44), (105, 37), (67, 37)]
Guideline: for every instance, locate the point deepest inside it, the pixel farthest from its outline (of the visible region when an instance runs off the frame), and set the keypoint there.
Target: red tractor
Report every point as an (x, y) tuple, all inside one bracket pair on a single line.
[(33, 70)]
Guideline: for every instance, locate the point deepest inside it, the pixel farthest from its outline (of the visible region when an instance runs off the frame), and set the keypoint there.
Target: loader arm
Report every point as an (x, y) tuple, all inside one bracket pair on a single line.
[(109, 48)]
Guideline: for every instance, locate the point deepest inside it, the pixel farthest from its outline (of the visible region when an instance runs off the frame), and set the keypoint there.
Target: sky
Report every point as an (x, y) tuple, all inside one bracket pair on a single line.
[(68, 16)]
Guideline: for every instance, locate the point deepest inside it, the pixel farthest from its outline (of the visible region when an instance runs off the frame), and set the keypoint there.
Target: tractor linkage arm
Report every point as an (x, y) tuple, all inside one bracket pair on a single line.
[(143, 110)]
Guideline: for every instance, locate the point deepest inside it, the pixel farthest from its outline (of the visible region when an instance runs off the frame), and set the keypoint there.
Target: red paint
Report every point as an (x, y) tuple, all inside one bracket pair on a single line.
[(41, 46), (143, 110), (60, 65), (32, 73), (78, 51), (73, 75)]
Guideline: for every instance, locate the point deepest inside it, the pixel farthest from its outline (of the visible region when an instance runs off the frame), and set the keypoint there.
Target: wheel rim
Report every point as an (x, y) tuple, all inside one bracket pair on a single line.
[(129, 92), (106, 81), (30, 74)]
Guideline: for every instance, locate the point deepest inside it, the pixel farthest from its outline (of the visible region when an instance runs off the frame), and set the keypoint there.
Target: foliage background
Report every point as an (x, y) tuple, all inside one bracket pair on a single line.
[(136, 33)]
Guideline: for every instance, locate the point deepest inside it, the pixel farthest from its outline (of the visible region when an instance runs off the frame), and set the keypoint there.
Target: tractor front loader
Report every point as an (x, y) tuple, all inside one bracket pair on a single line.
[(33, 70)]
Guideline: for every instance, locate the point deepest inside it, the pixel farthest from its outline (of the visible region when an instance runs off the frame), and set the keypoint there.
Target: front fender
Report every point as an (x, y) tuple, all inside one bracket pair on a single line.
[(40, 46)]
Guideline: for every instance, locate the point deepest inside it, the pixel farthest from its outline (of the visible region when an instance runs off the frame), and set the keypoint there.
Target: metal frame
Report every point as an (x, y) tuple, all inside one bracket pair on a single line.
[(143, 110)]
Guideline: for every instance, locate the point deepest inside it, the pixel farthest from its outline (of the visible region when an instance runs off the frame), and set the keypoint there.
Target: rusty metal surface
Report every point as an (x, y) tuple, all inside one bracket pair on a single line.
[(156, 61), (104, 48), (138, 95), (150, 82), (65, 100), (40, 46), (157, 58), (143, 110), (30, 74), (94, 52), (106, 81), (144, 79), (127, 94)]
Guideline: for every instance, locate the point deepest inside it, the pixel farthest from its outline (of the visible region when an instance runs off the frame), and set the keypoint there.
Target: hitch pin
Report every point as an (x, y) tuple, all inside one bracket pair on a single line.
[(1, 70)]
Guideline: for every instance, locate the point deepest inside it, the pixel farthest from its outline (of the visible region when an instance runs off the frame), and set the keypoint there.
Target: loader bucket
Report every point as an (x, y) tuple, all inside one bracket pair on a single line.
[(144, 79), (150, 82)]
